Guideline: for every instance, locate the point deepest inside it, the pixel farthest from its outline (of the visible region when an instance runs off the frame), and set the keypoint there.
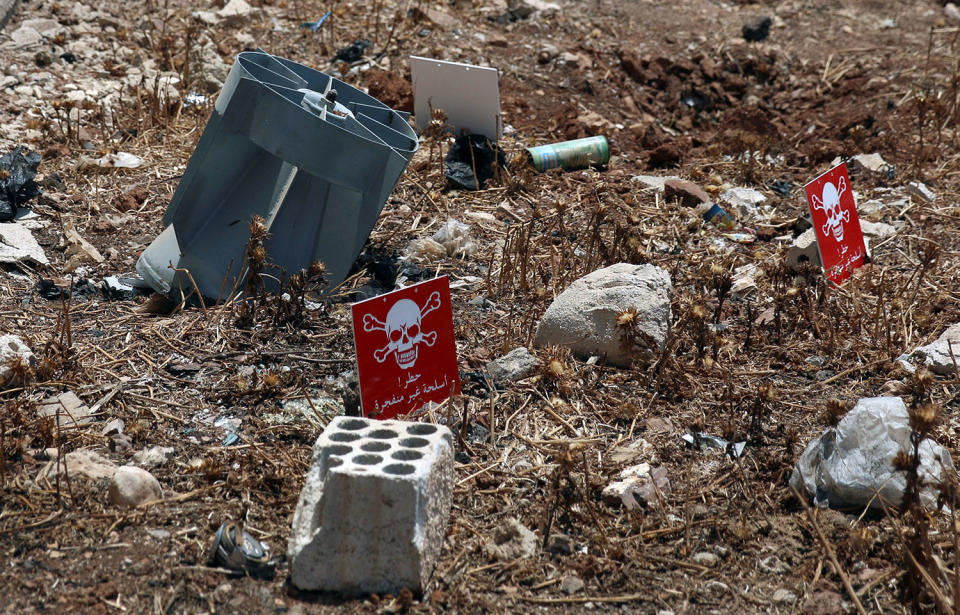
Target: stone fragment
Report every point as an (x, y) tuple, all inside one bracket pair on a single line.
[(511, 541), (547, 52), (654, 181), (823, 603), (851, 465), (571, 584), (689, 193), (72, 412), (438, 19), (373, 511), (515, 365), (25, 37), (584, 317), (17, 244), (13, 350), (207, 69), (44, 25), (880, 230), (936, 355), (745, 202), (155, 456), (83, 463), (705, 558), (132, 486), (920, 191), (560, 544), (236, 12), (784, 596), (951, 12), (638, 486), (804, 250), (869, 163), (757, 28), (594, 123)]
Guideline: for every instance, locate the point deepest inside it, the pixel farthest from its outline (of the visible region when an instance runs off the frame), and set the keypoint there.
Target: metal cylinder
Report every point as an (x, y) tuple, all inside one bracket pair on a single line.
[(571, 155)]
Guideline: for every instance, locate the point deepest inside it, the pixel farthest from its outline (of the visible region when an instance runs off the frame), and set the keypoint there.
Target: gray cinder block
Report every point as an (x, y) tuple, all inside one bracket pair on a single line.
[(373, 512)]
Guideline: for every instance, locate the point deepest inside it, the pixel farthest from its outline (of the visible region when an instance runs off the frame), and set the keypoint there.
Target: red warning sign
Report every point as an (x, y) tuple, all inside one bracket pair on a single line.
[(406, 352), (833, 212)]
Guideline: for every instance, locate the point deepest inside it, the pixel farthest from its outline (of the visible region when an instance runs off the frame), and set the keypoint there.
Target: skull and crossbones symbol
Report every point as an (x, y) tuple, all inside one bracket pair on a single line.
[(404, 330), (829, 204)]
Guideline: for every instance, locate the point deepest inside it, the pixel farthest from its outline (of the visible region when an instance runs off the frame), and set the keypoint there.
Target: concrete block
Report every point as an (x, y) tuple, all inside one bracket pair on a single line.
[(373, 512)]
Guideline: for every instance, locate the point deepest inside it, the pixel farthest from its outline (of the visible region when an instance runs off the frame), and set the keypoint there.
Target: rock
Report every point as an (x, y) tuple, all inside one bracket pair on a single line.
[(951, 12), (705, 558), (547, 53), (236, 12), (438, 19), (920, 190), (83, 463), (804, 250), (869, 163), (17, 244), (784, 596), (936, 355), (515, 365), (880, 230), (584, 316), (848, 464), (511, 541), (44, 25), (689, 194), (132, 486), (757, 28), (571, 584), (773, 565), (25, 37), (744, 201), (13, 350), (72, 412), (79, 251), (154, 457), (594, 123), (372, 515), (823, 603), (207, 69), (744, 280), (573, 60), (207, 18), (654, 181), (638, 485), (656, 424)]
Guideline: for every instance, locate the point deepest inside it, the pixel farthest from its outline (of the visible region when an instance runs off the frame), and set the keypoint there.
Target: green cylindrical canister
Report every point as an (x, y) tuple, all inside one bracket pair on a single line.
[(570, 155)]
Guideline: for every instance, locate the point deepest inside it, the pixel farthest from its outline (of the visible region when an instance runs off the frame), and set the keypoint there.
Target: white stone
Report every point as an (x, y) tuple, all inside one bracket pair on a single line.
[(784, 596), (804, 250), (870, 163), (18, 244), (84, 463), (936, 355), (12, 348), (236, 11), (745, 202), (920, 190), (851, 465), (584, 316), (705, 558), (516, 364), (154, 457), (951, 12), (373, 511), (25, 37), (653, 181), (45, 26), (511, 541), (132, 486), (71, 411), (880, 230)]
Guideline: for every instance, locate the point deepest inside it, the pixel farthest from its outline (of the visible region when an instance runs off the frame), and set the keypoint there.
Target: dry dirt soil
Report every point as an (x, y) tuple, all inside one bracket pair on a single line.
[(678, 91)]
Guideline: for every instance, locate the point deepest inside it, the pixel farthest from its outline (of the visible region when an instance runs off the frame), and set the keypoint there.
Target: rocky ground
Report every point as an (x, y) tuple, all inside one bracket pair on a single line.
[(223, 407)]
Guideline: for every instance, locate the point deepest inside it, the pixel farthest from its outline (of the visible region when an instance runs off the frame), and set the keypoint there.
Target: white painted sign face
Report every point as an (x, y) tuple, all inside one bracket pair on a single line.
[(469, 95)]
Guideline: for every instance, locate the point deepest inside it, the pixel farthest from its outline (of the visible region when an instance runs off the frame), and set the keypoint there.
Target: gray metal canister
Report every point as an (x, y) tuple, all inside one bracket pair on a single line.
[(570, 155), (316, 165)]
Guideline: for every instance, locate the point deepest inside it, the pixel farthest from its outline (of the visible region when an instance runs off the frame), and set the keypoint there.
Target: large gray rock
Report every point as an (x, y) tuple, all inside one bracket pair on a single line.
[(851, 465), (936, 355), (373, 511), (584, 317)]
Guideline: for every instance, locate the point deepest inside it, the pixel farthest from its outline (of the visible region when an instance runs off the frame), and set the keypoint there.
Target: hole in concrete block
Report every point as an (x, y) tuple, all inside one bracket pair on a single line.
[(407, 455), (344, 437), (382, 434), (399, 468), (421, 429), (368, 460), (334, 462), (352, 425), (414, 442), (375, 447), (339, 449)]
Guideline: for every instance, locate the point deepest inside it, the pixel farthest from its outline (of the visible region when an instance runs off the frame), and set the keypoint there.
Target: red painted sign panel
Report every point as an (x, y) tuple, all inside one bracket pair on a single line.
[(406, 352), (833, 212)]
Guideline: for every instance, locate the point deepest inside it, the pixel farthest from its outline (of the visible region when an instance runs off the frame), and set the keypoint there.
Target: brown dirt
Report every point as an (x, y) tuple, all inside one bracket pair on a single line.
[(677, 91)]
